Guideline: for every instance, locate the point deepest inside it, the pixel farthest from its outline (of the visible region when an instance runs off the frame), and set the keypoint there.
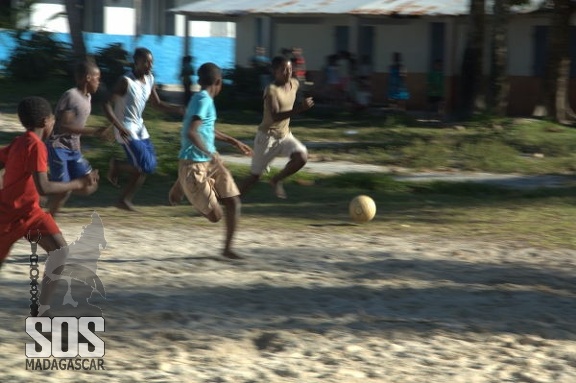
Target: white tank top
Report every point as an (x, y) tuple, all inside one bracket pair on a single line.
[(130, 107)]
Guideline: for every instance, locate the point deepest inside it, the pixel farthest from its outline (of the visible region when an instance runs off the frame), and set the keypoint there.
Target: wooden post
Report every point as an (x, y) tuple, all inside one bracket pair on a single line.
[(187, 36)]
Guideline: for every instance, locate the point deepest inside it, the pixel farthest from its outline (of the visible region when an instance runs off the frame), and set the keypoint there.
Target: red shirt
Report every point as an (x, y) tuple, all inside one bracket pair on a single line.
[(24, 156), (300, 67)]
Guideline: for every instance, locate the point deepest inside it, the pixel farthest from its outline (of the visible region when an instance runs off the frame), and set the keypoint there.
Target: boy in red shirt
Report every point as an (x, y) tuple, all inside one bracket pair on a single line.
[(25, 162)]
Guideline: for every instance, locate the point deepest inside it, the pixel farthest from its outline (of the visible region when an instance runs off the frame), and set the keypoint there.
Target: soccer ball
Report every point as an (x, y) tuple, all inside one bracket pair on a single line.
[(362, 208)]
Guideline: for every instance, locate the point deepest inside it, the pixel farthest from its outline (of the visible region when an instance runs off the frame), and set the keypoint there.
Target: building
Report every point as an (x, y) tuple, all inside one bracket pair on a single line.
[(116, 22), (121, 17), (421, 30)]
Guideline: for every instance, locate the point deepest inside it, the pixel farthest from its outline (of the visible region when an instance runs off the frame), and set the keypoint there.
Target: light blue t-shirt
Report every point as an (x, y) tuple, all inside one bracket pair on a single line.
[(201, 105)]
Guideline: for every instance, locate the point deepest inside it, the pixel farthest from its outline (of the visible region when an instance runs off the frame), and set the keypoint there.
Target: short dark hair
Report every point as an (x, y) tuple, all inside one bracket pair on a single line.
[(141, 52), (208, 73), (278, 61), (32, 111), (84, 67)]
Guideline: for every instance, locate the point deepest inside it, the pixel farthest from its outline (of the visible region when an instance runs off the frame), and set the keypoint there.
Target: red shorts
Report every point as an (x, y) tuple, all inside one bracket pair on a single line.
[(37, 221)]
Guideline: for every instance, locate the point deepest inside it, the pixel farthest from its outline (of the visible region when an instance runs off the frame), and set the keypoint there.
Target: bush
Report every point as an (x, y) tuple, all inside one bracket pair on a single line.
[(113, 61), (38, 56), (244, 83)]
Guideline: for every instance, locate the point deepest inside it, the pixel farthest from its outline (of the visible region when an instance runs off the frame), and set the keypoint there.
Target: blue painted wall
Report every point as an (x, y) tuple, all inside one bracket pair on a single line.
[(167, 50)]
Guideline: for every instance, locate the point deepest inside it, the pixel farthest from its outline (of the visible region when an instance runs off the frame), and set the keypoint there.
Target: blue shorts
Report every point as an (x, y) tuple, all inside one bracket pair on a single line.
[(141, 155), (66, 164)]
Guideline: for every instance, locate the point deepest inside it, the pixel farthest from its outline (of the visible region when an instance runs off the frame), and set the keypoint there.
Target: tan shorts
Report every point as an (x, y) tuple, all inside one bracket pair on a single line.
[(204, 183), (266, 148)]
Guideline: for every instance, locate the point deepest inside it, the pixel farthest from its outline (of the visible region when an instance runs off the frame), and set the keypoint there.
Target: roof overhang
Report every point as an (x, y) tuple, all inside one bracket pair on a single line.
[(230, 9)]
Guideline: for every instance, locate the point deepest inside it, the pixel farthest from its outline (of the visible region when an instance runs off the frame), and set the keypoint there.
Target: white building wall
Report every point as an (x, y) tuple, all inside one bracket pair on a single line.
[(119, 21), (204, 28), (44, 17), (410, 38), (316, 41), (521, 44), (245, 43)]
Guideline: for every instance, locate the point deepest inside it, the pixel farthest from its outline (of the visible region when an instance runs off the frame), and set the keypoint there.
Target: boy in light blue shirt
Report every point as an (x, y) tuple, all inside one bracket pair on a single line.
[(202, 176)]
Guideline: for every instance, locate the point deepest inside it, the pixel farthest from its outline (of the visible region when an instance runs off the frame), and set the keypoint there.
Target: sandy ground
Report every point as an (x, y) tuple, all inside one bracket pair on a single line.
[(315, 306)]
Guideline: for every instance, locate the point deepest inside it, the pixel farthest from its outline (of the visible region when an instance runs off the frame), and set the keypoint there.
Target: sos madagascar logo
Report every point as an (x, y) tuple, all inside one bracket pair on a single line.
[(65, 324)]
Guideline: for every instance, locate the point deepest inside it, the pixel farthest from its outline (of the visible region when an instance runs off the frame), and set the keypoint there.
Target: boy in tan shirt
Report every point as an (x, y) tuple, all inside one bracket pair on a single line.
[(274, 137)]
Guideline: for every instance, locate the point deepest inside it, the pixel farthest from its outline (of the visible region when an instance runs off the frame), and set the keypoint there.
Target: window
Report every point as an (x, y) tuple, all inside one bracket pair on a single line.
[(437, 39), (342, 37), (366, 42)]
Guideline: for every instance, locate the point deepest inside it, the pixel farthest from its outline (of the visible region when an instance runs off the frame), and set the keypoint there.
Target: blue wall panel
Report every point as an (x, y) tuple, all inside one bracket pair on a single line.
[(167, 50)]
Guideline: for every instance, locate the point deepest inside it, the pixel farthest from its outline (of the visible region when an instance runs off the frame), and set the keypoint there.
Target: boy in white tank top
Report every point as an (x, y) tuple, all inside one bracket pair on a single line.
[(124, 110)]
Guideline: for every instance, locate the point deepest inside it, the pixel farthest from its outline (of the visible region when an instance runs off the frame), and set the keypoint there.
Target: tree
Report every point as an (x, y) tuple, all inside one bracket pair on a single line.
[(10, 13), (553, 96), (472, 71), (75, 12), (499, 89)]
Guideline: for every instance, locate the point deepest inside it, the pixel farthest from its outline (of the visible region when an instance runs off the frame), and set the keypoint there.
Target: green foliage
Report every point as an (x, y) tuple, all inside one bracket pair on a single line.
[(113, 60), (11, 10), (38, 56), (245, 80)]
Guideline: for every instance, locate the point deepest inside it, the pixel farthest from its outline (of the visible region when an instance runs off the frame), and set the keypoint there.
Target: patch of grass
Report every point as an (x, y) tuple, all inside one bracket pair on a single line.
[(492, 156), (428, 155), (539, 218)]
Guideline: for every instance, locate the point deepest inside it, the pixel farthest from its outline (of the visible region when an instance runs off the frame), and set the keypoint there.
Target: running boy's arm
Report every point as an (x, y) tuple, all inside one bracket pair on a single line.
[(274, 107), (45, 186), (194, 136), (245, 149), (164, 106), (68, 124), (119, 90)]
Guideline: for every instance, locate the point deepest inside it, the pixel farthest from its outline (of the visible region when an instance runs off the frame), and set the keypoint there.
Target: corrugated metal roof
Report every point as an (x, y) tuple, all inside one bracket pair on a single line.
[(223, 8)]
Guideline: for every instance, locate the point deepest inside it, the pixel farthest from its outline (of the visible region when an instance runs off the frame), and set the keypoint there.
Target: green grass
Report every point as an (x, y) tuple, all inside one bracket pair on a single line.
[(456, 210), (537, 218)]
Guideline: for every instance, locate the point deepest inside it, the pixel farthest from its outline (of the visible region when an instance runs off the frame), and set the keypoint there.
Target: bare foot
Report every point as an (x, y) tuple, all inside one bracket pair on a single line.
[(126, 205), (279, 189), (175, 195), (112, 175), (230, 254)]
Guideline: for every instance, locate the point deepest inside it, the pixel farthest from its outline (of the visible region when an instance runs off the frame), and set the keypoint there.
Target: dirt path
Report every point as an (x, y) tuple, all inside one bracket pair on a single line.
[(315, 306)]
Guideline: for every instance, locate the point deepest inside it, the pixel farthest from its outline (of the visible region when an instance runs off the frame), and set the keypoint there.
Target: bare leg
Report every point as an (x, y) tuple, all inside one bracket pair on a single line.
[(232, 206), (56, 202), (112, 175), (176, 194), (402, 105), (248, 183), (297, 162), (135, 181)]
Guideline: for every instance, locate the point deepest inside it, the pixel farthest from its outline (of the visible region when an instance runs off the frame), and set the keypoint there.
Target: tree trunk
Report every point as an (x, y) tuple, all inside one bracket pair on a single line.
[(553, 97), (561, 37), (471, 94), (74, 10), (499, 84)]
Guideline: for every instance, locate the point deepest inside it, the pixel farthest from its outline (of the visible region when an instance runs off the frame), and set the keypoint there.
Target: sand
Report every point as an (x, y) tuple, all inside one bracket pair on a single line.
[(315, 306)]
